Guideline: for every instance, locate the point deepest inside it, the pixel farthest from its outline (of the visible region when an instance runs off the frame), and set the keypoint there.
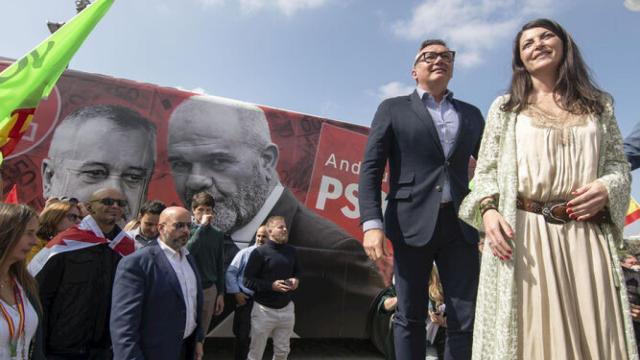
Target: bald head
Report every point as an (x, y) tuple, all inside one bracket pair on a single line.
[(174, 213), (233, 120), (106, 192), (106, 206), (174, 227)]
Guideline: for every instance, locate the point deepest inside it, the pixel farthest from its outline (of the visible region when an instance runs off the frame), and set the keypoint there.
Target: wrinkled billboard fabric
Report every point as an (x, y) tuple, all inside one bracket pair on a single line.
[(161, 143)]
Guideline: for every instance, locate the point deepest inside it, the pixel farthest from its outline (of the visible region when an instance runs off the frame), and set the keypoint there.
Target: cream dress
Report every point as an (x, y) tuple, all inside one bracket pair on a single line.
[(567, 302)]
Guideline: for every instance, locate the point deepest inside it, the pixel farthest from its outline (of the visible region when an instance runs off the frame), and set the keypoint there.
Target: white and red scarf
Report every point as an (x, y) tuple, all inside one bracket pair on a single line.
[(81, 236)]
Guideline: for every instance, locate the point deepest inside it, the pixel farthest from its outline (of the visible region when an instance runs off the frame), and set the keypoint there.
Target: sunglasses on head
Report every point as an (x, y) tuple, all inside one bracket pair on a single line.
[(71, 200), (110, 202)]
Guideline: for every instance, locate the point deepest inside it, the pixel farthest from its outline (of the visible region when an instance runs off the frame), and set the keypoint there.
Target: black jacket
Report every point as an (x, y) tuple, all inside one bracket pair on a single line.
[(37, 342), (75, 291)]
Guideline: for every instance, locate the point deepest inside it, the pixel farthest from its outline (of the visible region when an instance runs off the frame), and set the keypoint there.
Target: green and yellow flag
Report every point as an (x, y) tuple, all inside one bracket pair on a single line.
[(32, 77)]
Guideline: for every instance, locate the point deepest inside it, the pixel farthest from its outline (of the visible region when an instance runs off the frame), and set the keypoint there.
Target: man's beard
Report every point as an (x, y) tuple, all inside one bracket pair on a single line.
[(235, 211), (282, 239)]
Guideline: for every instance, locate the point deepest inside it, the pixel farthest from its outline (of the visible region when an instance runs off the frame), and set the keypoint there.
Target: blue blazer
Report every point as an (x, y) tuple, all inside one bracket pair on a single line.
[(632, 147), (148, 313), (403, 133)]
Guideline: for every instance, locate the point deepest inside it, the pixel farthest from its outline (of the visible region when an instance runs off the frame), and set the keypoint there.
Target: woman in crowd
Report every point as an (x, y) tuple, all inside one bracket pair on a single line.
[(20, 313), (55, 218), (551, 192), (437, 321)]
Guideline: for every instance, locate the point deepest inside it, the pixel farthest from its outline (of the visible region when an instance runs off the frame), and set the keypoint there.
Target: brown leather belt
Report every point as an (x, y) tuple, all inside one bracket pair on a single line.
[(555, 212)]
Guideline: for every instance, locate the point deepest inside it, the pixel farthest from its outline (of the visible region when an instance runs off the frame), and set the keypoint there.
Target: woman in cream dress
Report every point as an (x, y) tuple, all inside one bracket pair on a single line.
[(551, 191)]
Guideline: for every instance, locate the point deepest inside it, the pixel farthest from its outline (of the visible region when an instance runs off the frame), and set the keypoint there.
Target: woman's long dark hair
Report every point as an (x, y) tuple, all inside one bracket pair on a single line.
[(578, 92)]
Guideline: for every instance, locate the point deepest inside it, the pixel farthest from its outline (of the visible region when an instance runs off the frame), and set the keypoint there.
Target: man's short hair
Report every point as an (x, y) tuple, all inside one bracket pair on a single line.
[(430, 42), (120, 116), (202, 198), (154, 207), (272, 219)]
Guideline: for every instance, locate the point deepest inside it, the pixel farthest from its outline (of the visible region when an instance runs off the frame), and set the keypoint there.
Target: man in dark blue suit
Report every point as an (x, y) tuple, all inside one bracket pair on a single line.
[(632, 147), (427, 138), (157, 298)]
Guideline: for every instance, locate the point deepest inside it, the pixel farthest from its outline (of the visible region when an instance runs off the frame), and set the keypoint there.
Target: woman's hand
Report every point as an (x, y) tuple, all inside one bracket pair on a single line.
[(496, 228), (588, 201), (438, 318)]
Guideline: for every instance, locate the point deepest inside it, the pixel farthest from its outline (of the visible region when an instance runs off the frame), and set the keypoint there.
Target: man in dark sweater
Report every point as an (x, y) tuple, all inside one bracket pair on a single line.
[(272, 273), (206, 246)]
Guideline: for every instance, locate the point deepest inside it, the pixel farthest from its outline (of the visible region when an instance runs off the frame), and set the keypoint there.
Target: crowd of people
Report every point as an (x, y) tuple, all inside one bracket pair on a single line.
[(551, 189), (75, 285)]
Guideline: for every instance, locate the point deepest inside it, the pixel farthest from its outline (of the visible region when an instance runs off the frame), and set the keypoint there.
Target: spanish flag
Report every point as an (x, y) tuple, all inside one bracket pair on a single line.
[(633, 213), (32, 77)]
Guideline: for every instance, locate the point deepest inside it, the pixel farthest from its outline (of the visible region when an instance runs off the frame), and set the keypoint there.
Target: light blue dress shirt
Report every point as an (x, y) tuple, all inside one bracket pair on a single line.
[(234, 276)]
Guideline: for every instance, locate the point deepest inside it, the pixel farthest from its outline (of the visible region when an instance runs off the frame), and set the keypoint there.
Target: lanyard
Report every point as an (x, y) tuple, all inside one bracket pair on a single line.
[(13, 336)]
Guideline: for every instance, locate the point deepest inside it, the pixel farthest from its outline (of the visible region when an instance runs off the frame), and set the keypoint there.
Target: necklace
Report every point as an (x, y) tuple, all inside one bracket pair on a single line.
[(560, 120), (16, 333)]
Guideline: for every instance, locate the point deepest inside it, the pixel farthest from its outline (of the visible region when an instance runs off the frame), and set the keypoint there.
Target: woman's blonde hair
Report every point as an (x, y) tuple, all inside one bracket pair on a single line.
[(51, 216), (13, 223), (436, 293)]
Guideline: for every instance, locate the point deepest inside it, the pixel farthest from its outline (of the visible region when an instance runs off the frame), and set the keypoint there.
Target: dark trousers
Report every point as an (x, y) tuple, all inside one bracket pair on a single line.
[(188, 349), (459, 268), (92, 354), (242, 330)]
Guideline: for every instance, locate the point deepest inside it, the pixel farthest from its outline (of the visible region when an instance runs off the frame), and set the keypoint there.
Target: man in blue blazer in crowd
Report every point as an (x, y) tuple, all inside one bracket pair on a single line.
[(157, 297), (427, 137)]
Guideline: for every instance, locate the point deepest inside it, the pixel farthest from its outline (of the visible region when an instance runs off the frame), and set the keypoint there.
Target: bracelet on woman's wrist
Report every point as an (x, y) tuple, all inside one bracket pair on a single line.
[(488, 203)]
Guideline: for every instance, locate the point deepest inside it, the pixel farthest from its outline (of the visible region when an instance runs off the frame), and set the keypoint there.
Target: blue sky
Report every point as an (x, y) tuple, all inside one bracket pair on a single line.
[(333, 58)]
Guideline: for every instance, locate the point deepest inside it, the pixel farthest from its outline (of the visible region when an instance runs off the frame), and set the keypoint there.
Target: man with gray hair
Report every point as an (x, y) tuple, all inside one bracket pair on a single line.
[(101, 146), (224, 147)]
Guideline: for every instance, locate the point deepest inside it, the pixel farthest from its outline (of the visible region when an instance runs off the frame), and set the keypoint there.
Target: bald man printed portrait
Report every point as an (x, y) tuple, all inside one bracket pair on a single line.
[(101, 146), (224, 147)]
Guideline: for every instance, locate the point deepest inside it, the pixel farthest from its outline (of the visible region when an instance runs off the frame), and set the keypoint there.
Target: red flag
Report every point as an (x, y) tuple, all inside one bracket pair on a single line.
[(12, 196)]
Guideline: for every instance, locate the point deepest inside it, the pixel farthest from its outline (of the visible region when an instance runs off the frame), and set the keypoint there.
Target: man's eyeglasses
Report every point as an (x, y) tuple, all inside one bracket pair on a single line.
[(181, 225), (110, 202), (431, 56)]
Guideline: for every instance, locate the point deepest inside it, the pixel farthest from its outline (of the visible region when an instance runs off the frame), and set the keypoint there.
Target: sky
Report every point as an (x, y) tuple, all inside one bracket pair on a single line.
[(333, 58)]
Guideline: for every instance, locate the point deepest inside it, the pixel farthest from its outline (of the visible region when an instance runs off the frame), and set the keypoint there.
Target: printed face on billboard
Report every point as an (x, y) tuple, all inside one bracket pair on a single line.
[(98, 147), (155, 143), (223, 148)]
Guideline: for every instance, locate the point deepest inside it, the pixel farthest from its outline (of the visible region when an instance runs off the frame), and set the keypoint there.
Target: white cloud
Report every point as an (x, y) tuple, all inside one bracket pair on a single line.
[(472, 27), (393, 89), (287, 7), (633, 5)]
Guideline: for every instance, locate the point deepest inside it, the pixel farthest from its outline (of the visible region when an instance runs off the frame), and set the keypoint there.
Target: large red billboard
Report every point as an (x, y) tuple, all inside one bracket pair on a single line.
[(162, 143)]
